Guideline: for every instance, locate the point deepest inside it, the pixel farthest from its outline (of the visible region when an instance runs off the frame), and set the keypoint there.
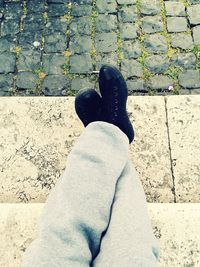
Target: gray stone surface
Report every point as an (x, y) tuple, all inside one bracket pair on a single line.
[(29, 60), (10, 27), (128, 14), (190, 79), (53, 64), (157, 63), (80, 44), (176, 24), (152, 24), (182, 40), (194, 14), (79, 83), (184, 60), (106, 6), (7, 62), (160, 82), (128, 31), (106, 58), (27, 80), (150, 7), (135, 85), (55, 42), (131, 49), (81, 63), (175, 8), (55, 85), (82, 25), (106, 42), (82, 10), (6, 83), (196, 35), (131, 68), (155, 43), (106, 23)]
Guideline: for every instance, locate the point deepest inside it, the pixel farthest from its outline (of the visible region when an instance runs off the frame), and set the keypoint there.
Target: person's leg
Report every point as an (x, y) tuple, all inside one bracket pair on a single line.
[(129, 240), (77, 210)]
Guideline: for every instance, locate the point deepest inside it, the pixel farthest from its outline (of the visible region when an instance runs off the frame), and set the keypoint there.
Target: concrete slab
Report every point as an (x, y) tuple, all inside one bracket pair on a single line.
[(175, 225), (37, 133), (184, 131), (150, 151)]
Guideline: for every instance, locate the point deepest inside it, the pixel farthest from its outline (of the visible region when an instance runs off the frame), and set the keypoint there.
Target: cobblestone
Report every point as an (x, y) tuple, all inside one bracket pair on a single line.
[(50, 47)]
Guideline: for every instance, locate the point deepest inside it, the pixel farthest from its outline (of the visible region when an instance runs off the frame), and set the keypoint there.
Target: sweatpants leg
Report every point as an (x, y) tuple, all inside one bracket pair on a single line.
[(129, 240), (77, 210)]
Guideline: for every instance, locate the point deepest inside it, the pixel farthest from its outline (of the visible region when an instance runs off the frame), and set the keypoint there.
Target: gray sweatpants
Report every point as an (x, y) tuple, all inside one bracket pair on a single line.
[(96, 215)]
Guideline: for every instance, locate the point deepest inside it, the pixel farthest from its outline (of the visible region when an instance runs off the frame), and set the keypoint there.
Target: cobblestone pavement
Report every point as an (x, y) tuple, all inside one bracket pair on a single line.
[(54, 47)]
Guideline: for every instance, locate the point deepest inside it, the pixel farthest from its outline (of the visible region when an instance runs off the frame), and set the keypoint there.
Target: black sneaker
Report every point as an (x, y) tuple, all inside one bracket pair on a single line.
[(114, 94), (88, 106)]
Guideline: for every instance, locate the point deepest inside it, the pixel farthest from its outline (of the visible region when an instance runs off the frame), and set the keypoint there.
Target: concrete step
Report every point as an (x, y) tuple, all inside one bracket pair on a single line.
[(37, 133), (176, 226)]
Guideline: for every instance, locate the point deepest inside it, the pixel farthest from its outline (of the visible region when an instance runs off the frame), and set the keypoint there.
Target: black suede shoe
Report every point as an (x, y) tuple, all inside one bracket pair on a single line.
[(88, 106), (114, 94)]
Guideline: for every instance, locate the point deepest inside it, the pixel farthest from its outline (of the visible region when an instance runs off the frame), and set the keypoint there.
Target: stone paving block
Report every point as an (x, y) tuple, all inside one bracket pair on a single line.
[(36, 6), (34, 150), (194, 14), (29, 60), (106, 42), (128, 31), (80, 44), (196, 35), (55, 42), (27, 80), (131, 68), (33, 23), (131, 49), (106, 58), (106, 6), (128, 14), (106, 23), (82, 10), (56, 25), (184, 60), (155, 43), (175, 9), (150, 7), (53, 63), (135, 85), (13, 10), (57, 10), (6, 83), (79, 83), (184, 124), (190, 79), (55, 85), (7, 62), (157, 63), (176, 24), (10, 27), (82, 25), (7, 44), (126, 2), (81, 63), (152, 24), (182, 40), (160, 82), (28, 39)]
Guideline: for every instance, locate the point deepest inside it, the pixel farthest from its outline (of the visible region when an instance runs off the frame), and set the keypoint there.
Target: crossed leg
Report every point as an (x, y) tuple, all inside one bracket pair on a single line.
[(77, 211)]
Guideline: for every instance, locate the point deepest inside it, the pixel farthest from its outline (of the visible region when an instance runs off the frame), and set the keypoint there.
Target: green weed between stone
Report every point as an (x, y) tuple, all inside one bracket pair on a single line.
[(196, 51)]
